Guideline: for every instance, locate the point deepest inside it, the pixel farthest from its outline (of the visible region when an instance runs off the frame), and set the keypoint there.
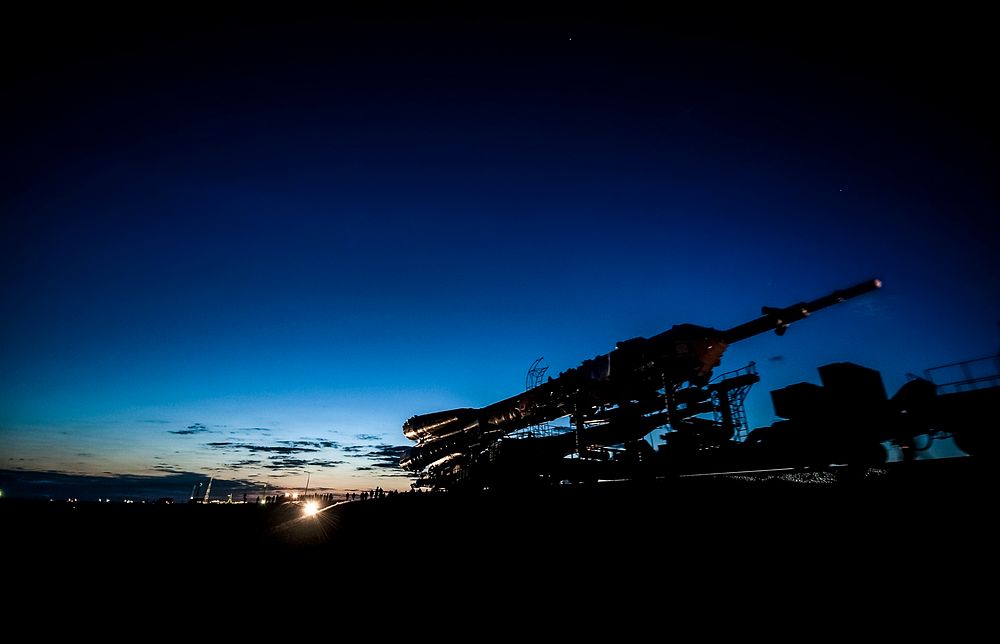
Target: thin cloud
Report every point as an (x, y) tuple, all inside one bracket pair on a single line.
[(196, 428), (325, 463), (264, 449), (170, 469), (383, 456), (282, 462), (387, 465), (277, 449), (312, 442), (278, 463), (62, 485)]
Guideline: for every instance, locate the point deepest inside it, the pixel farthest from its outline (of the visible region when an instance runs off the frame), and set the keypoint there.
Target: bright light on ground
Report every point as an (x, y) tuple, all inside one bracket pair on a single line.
[(310, 508)]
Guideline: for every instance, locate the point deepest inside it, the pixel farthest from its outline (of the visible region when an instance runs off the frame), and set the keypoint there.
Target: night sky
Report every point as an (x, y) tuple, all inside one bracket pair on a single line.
[(252, 245)]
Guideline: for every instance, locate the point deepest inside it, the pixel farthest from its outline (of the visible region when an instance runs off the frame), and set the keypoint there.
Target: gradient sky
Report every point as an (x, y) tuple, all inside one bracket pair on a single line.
[(252, 246)]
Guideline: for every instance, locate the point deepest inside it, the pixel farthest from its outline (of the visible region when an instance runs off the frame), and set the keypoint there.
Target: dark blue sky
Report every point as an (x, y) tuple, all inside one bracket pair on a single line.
[(318, 226)]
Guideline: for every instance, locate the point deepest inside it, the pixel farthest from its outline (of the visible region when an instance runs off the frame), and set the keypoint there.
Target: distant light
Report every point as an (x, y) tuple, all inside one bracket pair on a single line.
[(878, 283), (310, 508)]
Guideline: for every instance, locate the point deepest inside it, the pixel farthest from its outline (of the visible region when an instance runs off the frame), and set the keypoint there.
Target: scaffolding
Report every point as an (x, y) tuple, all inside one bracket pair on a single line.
[(534, 378), (729, 393), (965, 375)]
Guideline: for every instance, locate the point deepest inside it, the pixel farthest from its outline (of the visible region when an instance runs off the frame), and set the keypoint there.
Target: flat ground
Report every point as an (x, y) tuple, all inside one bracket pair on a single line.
[(929, 522)]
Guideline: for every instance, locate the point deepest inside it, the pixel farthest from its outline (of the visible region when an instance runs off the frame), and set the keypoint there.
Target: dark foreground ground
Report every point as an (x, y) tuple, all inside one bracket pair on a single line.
[(922, 529)]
